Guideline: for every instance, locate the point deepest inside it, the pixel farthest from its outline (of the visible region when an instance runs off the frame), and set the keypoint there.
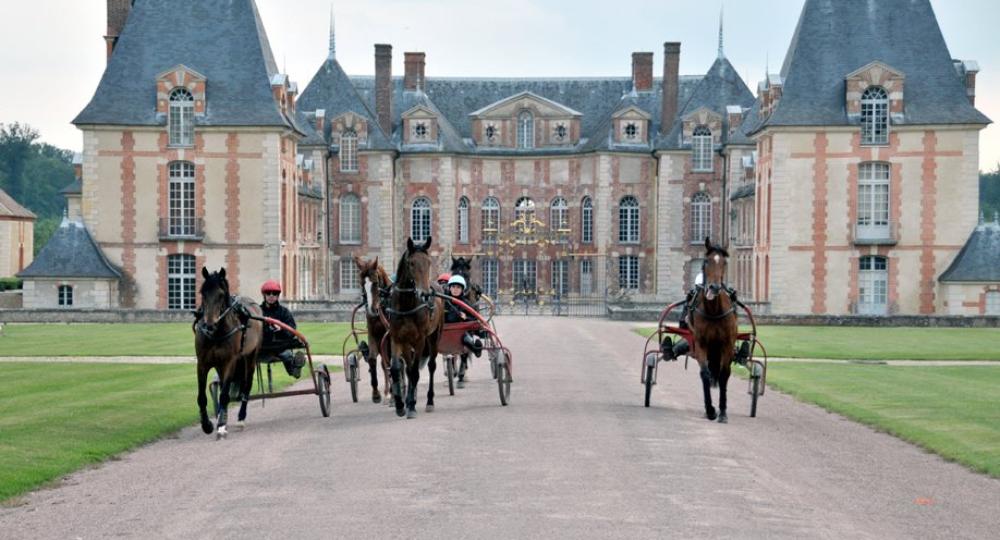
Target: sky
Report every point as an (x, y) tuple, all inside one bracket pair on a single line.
[(52, 52)]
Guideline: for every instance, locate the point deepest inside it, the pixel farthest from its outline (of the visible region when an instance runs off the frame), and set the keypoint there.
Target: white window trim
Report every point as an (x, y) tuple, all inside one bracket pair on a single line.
[(180, 118), (875, 115), (348, 152), (421, 207), (701, 150), (629, 220), (350, 220)]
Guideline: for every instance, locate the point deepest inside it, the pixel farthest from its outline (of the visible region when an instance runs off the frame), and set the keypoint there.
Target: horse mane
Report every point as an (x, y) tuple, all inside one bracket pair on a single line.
[(214, 280), (714, 248)]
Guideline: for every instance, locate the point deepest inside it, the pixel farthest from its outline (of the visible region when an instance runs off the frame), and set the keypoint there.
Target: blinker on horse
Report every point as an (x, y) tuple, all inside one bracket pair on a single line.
[(228, 340), (374, 282), (714, 325)]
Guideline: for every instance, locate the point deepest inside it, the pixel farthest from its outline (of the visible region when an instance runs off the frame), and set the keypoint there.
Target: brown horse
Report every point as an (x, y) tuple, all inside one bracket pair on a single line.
[(374, 280), (228, 340), (714, 325), (416, 315)]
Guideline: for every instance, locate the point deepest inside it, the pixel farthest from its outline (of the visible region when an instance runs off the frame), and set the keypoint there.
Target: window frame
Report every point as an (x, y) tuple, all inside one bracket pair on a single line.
[(587, 220), (525, 130), (350, 270), (701, 217), (489, 268), (350, 219), (875, 116), (525, 268), (874, 214), (490, 212), (558, 216), (422, 209), (873, 285), (628, 273), (462, 225), (180, 118), (181, 216), (701, 150), (629, 220), (181, 278), (560, 277), (348, 151), (65, 295)]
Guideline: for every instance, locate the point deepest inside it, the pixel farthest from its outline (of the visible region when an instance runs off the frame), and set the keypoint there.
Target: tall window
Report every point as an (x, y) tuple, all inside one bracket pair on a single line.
[(559, 216), (490, 269), (350, 219), (993, 303), (628, 220), (525, 208), (875, 116), (701, 217), (420, 219), (628, 272), (873, 200), (181, 193), (349, 151), (525, 130), (490, 219), (180, 281), (525, 278), (350, 281), (587, 221), (873, 286), (560, 277), (65, 295), (586, 276), (701, 148), (463, 221), (181, 118)]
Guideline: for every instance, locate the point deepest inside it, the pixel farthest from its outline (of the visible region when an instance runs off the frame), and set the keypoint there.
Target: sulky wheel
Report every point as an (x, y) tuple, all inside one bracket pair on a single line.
[(493, 362), (754, 388), (449, 369), (352, 375), (650, 378), (503, 377), (322, 377)]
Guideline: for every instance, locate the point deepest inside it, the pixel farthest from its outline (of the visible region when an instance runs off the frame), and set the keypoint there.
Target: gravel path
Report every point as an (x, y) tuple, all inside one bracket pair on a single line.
[(574, 456)]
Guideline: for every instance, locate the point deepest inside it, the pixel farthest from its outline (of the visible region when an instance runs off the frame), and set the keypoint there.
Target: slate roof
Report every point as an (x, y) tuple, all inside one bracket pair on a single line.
[(837, 37), (224, 40), (74, 188), (979, 260), (12, 209), (70, 253), (331, 90)]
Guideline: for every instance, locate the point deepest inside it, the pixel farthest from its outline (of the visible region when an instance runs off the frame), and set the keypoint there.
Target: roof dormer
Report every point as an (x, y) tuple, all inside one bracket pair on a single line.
[(420, 126), (630, 126), (526, 120), (349, 122), (180, 76), (875, 74)]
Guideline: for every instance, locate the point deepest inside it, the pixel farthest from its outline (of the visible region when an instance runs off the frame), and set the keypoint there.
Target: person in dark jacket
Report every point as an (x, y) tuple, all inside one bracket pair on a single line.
[(455, 314), (278, 342)]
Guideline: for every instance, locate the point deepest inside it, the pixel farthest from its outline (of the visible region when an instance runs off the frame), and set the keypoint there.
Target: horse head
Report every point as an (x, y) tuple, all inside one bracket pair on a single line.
[(216, 302), (461, 266), (414, 270), (373, 279), (714, 269)]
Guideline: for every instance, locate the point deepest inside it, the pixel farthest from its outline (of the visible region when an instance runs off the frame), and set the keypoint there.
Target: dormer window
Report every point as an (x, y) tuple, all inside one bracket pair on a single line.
[(631, 131), (560, 132), (181, 118), (875, 116), (525, 130), (420, 131), (491, 133), (701, 149)]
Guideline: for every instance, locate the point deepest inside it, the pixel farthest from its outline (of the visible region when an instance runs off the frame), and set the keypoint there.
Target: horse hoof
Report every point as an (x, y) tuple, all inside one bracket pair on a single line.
[(411, 414), (710, 414), (376, 398), (207, 427), (461, 384), (723, 419), (240, 425), (429, 408), (400, 412), (221, 433)]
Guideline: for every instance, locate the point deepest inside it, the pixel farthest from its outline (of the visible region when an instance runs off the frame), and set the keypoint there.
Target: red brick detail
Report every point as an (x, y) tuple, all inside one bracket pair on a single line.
[(233, 211), (507, 172), (128, 215), (928, 220), (476, 168), (820, 177), (539, 174), (574, 172), (615, 169)]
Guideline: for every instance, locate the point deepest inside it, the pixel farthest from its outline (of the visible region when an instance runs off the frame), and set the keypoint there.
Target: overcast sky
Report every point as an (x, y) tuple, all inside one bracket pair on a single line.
[(52, 51)]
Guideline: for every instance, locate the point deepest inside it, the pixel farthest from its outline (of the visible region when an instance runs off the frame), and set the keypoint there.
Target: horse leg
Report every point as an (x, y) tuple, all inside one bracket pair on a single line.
[(723, 381), (413, 376), (220, 429), (206, 424), (464, 365), (431, 366), (397, 388), (373, 372), (706, 383), (246, 385)]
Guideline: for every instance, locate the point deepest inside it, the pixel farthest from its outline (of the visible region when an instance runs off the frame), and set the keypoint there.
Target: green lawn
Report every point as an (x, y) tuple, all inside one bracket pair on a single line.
[(878, 343), (57, 418), (135, 339), (951, 411)]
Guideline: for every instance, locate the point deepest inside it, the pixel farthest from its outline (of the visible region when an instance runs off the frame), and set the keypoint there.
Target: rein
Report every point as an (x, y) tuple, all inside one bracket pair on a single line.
[(241, 314), (723, 315), (425, 297)]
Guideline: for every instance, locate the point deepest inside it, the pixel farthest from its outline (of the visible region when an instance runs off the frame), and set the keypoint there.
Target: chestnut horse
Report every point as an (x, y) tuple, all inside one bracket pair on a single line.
[(714, 325), (416, 315), (374, 281), (228, 340)]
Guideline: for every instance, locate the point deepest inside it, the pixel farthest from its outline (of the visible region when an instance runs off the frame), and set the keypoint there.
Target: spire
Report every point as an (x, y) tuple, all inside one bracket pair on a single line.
[(721, 9), (333, 39)]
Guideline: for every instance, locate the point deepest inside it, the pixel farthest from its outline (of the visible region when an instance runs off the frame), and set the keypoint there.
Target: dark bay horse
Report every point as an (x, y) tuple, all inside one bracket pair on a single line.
[(228, 340), (416, 315), (714, 325), (374, 280)]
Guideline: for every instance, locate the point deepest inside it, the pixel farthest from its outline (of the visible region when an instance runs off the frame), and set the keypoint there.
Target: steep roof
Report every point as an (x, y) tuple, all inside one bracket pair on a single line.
[(836, 37), (331, 90), (74, 188), (979, 259), (11, 209), (224, 40), (70, 253)]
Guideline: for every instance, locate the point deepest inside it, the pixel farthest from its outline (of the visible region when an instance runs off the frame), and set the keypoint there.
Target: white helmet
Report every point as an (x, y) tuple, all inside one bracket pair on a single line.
[(457, 280)]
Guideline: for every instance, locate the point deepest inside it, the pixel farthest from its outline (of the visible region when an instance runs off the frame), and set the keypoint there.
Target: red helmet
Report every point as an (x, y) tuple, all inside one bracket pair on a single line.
[(270, 285), (443, 278)]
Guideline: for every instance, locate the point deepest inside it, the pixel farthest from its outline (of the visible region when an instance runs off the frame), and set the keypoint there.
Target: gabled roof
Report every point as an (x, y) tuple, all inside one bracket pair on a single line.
[(721, 87), (74, 188), (331, 90), (837, 37), (979, 259), (10, 208), (449, 140), (526, 94), (160, 34), (70, 253)]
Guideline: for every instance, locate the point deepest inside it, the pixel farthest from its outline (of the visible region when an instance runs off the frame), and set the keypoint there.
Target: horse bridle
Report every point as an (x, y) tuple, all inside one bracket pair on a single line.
[(716, 289), (426, 298), (231, 306)]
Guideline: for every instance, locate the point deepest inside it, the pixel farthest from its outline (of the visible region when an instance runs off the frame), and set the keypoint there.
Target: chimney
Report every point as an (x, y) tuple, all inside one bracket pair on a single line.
[(967, 70), (734, 115), (671, 85), (642, 71), (117, 15), (413, 78), (320, 120), (383, 87)]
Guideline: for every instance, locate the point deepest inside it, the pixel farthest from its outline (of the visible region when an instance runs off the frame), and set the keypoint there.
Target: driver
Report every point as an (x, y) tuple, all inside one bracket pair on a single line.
[(669, 350), (277, 341), (454, 314)]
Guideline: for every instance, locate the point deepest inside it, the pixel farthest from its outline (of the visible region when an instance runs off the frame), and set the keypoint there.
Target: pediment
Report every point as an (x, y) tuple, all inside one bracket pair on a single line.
[(512, 105), (419, 111), (182, 75), (632, 112), (702, 115), (876, 72)]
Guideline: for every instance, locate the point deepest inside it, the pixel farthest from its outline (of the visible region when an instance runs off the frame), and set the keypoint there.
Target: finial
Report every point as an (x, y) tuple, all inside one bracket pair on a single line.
[(333, 39), (996, 217), (982, 217), (721, 10)]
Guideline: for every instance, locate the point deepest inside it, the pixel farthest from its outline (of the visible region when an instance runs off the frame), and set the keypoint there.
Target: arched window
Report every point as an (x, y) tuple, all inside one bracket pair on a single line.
[(873, 286), (490, 219), (463, 221), (525, 130), (701, 217), (180, 281), (524, 209), (559, 215), (701, 149), (180, 189), (873, 201), (181, 117), (875, 116), (628, 220), (587, 221), (350, 219), (349, 151), (420, 220)]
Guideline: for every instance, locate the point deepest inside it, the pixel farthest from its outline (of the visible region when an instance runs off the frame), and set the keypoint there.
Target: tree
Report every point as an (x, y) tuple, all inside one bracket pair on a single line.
[(989, 193), (16, 149)]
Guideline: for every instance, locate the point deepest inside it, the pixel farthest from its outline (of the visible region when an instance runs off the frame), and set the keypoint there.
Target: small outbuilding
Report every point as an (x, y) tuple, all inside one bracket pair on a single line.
[(971, 284)]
